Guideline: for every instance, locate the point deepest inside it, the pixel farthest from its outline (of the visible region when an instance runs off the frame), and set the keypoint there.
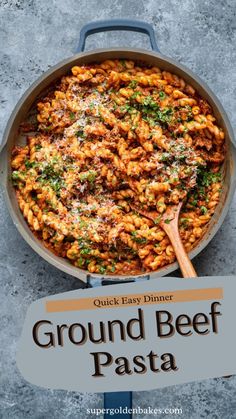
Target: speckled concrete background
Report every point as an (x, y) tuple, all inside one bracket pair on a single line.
[(36, 34)]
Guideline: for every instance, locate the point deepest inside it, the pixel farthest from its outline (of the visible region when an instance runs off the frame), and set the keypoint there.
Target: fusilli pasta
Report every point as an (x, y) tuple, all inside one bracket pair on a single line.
[(110, 135)]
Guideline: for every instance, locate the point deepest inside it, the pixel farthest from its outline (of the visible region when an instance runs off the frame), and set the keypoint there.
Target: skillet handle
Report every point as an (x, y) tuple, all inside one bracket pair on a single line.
[(96, 281), (114, 25), (122, 399)]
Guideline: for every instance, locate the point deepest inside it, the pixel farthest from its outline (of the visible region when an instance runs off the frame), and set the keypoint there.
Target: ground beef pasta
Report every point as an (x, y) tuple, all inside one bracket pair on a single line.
[(108, 136)]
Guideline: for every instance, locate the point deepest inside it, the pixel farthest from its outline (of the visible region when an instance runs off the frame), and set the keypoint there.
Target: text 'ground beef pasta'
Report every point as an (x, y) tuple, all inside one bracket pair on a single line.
[(110, 135)]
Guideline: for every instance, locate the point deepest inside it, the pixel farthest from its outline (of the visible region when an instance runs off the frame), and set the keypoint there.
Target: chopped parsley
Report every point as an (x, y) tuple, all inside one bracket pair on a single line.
[(85, 251), (127, 108), (133, 84), (203, 209), (139, 240), (80, 262), (135, 94), (72, 116), (184, 221), (113, 268), (194, 203), (162, 95), (164, 115), (165, 156), (151, 109), (30, 164), (148, 102), (123, 63), (102, 269), (83, 224), (206, 178), (52, 176), (15, 175), (48, 128), (89, 176), (158, 219)]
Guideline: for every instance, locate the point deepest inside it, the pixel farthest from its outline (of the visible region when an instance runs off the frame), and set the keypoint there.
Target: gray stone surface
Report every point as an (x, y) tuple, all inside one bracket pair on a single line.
[(36, 34)]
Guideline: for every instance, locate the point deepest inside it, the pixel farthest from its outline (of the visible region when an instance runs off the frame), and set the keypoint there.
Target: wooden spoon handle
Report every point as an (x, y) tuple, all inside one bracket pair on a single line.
[(185, 263)]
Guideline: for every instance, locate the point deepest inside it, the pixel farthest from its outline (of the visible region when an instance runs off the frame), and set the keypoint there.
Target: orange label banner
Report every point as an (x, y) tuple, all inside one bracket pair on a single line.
[(128, 300)]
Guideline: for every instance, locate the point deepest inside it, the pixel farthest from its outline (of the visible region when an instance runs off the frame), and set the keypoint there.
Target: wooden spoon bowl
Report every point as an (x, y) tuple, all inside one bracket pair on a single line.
[(170, 224)]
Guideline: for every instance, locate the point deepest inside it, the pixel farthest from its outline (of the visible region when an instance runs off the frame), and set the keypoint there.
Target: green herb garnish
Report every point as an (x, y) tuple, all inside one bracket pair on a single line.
[(162, 95), (133, 84), (85, 251), (206, 178), (52, 176), (123, 63), (80, 133), (203, 209), (30, 164), (89, 176), (158, 219), (80, 262), (72, 116), (15, 175), (102, 269), (113, 268), (165, 156), (139, 240), (184, 221)]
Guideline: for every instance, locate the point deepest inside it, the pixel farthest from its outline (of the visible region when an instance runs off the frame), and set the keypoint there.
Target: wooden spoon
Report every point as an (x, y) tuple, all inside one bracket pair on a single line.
[(170, 224)]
